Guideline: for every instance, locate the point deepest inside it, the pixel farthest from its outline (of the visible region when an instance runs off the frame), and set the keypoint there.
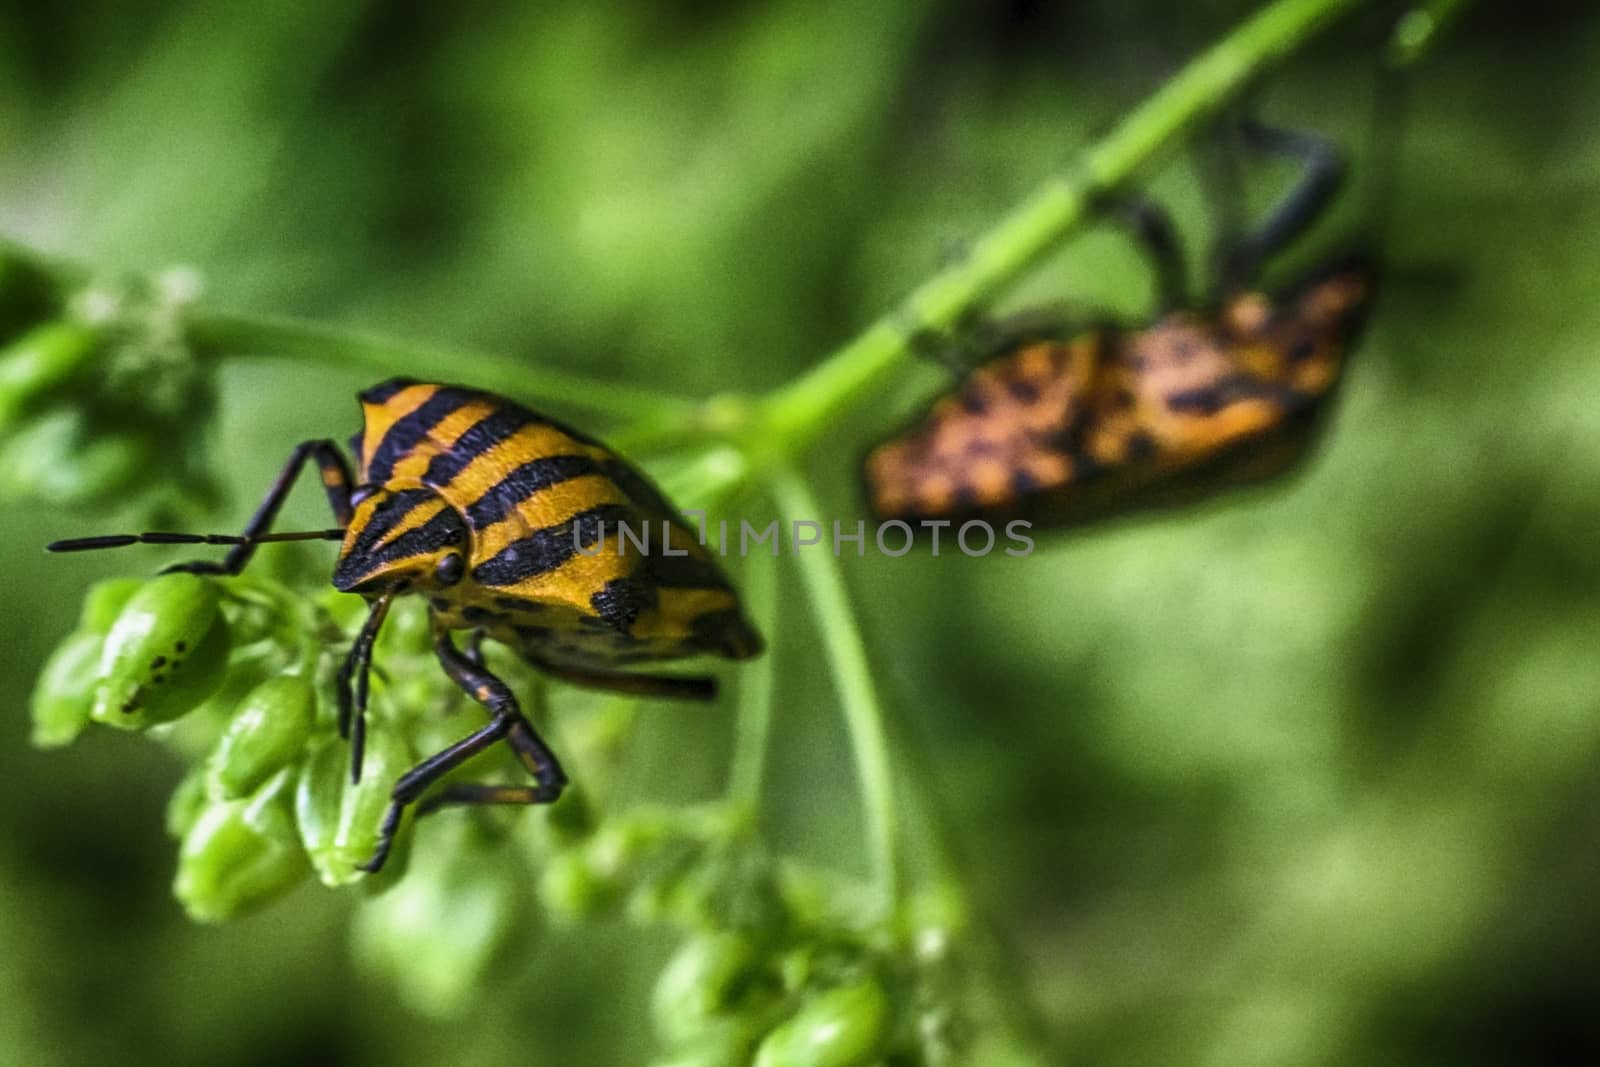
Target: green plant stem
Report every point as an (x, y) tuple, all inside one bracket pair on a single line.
[(755, 692), (791, 419), (216, 333), (852, 677)]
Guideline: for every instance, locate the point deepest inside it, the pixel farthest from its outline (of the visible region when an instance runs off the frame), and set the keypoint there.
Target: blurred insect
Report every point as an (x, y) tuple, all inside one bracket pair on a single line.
[(1061, 428), (499, 517)]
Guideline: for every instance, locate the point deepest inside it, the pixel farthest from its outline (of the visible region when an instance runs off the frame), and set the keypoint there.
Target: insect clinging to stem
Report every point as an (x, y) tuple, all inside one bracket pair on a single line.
[(494, 514), (1061, 426)]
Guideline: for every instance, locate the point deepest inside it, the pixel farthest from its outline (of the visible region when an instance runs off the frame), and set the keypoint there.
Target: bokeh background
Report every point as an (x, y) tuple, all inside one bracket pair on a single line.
[(1310, 775)]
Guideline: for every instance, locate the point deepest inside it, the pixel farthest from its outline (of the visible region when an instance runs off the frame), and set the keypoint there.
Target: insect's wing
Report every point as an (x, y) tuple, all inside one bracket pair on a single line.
[(1008, 433)]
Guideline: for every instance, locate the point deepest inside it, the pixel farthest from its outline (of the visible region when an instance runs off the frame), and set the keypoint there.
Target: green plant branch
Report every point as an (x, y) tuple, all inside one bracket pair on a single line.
[(858, 696), (217, 333), (793, 417), (755, 692)]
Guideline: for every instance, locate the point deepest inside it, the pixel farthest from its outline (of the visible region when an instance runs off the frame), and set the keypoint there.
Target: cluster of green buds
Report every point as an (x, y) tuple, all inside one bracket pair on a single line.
[(730, 997), (101, 397), (776, 968), (236, 674)]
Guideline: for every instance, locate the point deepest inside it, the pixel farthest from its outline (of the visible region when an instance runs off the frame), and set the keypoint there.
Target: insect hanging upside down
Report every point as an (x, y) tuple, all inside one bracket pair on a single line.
[(495, 514), (1062, 427)]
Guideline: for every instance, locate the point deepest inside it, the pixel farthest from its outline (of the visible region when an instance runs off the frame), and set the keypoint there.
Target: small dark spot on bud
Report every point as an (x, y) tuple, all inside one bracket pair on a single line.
[(159, 661), (158, 678), (181, 646)]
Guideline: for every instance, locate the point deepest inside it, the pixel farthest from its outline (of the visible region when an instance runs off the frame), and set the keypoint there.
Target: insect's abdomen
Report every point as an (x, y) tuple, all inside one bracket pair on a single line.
[(1115, 422), (533, 493)]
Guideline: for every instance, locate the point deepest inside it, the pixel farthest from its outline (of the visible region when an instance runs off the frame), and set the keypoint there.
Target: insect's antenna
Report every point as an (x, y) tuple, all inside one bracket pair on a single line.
[(357, 668), (88, 544)]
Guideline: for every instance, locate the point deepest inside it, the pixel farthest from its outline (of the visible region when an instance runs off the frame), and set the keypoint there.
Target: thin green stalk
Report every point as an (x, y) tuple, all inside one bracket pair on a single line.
[(796, 415), (234, 334), (760, 588), (858, 697)]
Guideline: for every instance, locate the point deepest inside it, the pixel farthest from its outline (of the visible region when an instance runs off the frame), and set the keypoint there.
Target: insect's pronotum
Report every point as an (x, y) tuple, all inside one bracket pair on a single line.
[(492, 513), (1063, 427)]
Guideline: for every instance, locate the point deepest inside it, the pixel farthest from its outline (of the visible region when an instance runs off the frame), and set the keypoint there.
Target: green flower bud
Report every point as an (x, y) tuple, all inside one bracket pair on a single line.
[(105, 602), (442, 934), (339, 822), (40, 362), (239, 855), (573, 889), (846, 1026), (187, 802), (625, 843), (64, 693), (167, 652), (57, 458), (703, 979), (938, 915), (266, 734), (723, 1042)]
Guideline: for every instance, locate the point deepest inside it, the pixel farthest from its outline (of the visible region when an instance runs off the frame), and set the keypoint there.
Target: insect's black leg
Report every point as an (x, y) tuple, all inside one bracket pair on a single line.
[(1322, 173), (465, 793), (507, 723), (535, 756), (357, 667), (335, 479), (644, 685), (414, 782), (473, 653), (1158, 240)]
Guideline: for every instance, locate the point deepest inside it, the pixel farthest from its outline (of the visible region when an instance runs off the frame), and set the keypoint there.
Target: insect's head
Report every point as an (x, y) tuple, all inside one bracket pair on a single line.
[(400, 540)]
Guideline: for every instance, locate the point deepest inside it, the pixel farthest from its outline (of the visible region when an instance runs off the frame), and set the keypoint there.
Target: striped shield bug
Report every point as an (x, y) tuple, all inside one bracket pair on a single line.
[(499, 518), (1061, 427)]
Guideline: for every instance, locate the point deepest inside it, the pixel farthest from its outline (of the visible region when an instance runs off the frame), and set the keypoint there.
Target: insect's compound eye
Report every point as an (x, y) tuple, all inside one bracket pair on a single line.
[(450, 569)]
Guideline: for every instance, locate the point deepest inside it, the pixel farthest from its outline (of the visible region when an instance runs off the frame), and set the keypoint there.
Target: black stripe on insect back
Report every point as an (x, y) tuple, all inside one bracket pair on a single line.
[(409, 431), (366, 557), (546, 549), (391, 511), (495, 427), (523, 483), (385, 391), (681, 572), (622, 600), (641, 492), (443, 529)]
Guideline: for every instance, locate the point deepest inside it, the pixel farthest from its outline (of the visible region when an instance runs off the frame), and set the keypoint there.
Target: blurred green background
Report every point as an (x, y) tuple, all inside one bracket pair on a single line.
[(1306, 776)]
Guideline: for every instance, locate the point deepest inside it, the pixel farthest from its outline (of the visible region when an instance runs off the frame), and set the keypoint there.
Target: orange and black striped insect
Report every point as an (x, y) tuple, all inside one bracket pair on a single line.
[(1060, 427), (495, 515)]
